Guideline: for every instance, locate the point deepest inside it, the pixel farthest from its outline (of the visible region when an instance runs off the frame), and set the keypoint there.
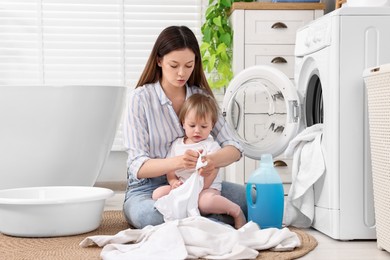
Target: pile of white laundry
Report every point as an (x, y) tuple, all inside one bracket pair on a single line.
[(308, 167), (191, 238)]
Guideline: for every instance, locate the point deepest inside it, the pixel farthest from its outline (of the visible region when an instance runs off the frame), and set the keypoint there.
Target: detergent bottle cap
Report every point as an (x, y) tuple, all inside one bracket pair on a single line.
[(266, 160)]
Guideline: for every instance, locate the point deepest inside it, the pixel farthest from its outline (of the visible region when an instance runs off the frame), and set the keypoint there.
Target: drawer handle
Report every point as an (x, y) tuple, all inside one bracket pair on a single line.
[(280, 163), (278, 60), (279, 25)]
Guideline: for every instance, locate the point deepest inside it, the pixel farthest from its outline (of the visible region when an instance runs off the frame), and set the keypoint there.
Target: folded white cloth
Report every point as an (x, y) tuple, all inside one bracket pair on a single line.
[(193, 237), (182, 202), (308, 166)]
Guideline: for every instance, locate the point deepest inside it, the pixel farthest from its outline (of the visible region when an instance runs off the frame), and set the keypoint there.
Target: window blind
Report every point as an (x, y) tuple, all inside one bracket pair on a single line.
[(84, 42)]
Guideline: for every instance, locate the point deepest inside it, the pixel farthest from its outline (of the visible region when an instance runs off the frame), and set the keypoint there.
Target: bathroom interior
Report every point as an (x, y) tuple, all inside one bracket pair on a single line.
[(79, 129)]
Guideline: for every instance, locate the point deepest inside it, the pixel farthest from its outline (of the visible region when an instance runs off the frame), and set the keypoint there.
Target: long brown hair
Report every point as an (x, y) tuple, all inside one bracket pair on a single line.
[(170, 39)]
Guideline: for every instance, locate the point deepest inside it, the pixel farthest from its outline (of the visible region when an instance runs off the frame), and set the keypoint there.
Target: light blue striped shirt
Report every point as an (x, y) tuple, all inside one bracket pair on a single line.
[(151, 125)]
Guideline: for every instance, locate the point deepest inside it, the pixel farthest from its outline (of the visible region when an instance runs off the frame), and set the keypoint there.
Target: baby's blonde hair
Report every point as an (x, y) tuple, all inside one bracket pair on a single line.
[(204, 105)]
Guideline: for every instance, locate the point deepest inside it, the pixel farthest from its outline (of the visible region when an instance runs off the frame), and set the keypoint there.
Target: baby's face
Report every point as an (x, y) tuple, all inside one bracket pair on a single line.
[(197, 129)]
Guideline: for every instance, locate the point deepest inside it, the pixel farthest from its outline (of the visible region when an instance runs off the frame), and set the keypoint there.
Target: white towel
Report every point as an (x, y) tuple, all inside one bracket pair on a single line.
[(308, 166), (182, 202), (194, 237)]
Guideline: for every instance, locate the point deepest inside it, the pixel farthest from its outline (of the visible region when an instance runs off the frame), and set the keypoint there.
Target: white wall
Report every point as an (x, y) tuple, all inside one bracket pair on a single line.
[(114, 169)]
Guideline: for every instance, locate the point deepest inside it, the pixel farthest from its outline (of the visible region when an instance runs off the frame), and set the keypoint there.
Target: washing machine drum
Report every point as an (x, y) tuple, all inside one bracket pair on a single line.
[(262, 105)]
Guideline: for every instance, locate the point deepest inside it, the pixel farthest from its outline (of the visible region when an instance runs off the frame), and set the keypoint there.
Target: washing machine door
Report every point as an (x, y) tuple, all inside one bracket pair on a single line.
[(262, 105)]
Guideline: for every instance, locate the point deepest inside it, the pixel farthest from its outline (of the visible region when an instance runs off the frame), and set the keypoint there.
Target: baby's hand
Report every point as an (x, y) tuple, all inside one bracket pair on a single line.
[(190, 158), (208, 168), (176, 184)]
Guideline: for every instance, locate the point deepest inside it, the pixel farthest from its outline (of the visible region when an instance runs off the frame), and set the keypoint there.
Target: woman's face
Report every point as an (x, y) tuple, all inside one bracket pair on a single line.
[(197, 129), (176, 67)]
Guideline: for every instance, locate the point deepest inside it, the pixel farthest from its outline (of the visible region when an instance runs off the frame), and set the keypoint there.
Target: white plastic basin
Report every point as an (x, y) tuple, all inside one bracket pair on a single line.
[(51, 211)]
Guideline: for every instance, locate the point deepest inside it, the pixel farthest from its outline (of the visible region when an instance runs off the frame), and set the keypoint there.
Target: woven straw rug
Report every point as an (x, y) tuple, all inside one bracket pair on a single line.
[(67, 248)]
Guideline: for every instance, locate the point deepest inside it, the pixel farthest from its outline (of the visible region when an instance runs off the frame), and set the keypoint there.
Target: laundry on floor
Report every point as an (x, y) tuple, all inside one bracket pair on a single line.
[(191, 238), (307, 167)]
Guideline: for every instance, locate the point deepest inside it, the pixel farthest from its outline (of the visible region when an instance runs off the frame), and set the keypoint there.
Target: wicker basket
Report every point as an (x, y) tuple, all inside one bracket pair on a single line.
[(377, 81)]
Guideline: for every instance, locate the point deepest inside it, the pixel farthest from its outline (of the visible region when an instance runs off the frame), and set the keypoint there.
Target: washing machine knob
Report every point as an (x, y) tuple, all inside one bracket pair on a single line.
[(308, 41), (317, 38)]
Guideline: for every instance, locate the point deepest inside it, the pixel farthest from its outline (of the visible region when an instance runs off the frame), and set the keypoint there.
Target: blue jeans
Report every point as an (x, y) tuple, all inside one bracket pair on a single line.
[(139, 207)]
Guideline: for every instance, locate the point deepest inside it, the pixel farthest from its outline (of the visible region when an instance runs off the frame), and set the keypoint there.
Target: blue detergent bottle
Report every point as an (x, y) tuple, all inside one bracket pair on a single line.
[(265, 195)]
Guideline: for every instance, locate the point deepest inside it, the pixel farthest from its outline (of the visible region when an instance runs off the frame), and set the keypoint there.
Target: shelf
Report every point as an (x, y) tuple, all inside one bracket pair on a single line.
[(276, 6)]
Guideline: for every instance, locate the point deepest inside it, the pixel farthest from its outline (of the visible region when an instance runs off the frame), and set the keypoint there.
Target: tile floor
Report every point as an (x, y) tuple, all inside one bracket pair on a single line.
[(327, 249)]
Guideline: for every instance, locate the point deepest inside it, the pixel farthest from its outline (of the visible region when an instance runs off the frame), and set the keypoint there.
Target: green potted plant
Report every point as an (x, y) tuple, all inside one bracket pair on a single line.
[(216, 47)]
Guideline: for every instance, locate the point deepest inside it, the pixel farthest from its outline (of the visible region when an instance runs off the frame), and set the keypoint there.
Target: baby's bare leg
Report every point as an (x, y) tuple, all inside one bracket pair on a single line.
[(161, 191), (211, 202)]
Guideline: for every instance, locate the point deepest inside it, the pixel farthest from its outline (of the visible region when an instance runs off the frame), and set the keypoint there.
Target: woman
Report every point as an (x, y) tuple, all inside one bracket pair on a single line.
[(172, 73)]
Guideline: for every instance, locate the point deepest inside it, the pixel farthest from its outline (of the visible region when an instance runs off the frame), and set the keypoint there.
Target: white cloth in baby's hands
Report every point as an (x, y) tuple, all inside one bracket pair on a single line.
[(182, 202), (199, 163)]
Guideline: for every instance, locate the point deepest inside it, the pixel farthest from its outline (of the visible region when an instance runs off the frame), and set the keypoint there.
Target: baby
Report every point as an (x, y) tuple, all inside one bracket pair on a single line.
[(198, 116)]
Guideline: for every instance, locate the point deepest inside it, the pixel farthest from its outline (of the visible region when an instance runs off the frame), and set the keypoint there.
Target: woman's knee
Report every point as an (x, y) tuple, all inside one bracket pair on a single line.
[(141, 213)]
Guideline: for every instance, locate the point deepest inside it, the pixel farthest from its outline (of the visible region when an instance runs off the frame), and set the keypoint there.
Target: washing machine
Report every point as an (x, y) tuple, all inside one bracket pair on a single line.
[(267, 110)]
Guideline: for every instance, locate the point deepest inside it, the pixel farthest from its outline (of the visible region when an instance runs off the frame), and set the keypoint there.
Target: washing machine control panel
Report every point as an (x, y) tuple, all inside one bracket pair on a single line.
[(312, 38)]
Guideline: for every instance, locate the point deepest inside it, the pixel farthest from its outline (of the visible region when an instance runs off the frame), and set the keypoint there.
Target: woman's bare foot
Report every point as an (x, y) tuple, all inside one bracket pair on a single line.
[(239, 220)]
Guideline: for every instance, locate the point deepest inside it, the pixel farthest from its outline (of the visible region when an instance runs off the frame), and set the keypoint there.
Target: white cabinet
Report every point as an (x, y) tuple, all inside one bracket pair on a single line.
[(267, 36), (264, 34)]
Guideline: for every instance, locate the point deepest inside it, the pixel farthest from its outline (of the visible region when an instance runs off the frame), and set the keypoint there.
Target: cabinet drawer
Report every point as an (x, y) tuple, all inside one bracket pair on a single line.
[(277, 56), (274, 26)]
